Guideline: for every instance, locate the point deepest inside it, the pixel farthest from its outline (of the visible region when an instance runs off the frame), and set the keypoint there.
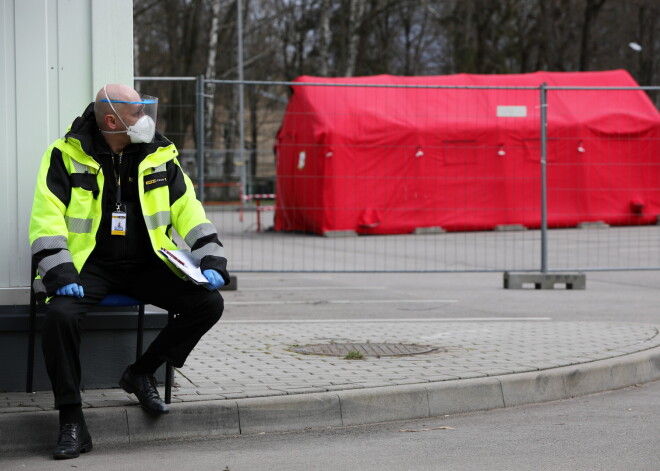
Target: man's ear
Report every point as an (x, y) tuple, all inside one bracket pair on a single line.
[(111, 121)]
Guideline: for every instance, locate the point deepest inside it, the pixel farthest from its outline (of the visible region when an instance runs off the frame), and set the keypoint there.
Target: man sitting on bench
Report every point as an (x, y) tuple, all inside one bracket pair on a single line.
[(107, 197)]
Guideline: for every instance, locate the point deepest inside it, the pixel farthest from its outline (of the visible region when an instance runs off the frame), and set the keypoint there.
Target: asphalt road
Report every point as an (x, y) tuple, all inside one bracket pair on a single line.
[(610, 296)]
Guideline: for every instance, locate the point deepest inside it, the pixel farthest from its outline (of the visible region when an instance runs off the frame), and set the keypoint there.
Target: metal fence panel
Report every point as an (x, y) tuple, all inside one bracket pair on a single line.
[(615, 171), (246, 223)]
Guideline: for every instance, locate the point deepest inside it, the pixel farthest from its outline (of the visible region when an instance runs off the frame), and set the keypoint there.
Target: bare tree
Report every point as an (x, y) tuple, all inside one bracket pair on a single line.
[(591, 10), (324, 37), (211, 67), (356, 11), (649, 24)]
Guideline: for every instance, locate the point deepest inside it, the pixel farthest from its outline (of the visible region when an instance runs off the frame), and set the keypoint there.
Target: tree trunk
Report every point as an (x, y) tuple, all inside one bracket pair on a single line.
[(324, 38), (230, 134), (136, 55), (551, 42), (356, 14), (590, 13), (209, 108), (649, 17)]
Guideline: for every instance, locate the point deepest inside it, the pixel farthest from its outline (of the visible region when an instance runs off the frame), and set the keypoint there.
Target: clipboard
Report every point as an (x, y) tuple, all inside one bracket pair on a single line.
[(187, 263)]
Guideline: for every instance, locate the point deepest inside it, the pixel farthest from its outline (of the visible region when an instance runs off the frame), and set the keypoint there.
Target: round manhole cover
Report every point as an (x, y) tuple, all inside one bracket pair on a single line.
[(365, 349)]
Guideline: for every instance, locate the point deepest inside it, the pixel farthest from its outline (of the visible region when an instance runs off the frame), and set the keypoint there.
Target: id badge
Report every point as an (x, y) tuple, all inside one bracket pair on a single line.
[(118, 226)]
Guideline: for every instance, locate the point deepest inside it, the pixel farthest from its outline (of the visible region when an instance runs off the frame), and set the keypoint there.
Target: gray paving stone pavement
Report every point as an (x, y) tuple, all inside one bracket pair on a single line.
[(248, 368), (255, 359)]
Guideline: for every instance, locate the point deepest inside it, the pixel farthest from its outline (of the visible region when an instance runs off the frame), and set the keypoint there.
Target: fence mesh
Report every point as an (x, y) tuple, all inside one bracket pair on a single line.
[(476, 182), (616, 172)]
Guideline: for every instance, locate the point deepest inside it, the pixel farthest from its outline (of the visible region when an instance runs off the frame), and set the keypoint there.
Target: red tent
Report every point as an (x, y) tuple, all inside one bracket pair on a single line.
[(377, 159)]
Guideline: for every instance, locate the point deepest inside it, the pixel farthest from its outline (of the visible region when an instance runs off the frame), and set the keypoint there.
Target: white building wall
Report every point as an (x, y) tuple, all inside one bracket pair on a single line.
[(54, 56)]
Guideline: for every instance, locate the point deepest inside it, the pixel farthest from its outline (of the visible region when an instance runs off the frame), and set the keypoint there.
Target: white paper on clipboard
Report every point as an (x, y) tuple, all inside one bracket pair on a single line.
[(187, 263)]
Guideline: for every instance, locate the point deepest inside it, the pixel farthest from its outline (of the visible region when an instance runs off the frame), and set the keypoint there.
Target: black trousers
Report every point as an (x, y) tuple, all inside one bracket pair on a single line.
[(197, 308)]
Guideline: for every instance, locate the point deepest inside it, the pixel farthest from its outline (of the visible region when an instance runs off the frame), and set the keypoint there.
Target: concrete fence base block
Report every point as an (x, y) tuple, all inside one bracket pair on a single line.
[(510, 227), (339, 234), (545, 280), (593, 225), (429, 230)]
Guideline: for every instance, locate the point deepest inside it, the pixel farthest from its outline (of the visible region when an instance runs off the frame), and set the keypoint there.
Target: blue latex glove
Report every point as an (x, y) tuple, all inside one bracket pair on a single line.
[(73, 289), (215, 280)]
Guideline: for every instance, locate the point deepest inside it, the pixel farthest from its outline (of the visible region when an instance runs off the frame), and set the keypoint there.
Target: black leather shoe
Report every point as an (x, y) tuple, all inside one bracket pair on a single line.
[(74, 439), (144, 387)]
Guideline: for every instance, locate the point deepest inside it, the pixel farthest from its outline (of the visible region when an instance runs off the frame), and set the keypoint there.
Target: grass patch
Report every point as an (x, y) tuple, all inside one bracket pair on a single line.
[(354, 355)]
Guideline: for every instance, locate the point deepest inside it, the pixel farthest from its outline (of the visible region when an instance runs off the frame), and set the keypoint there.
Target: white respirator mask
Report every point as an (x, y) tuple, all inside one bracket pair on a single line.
[(144, 129)]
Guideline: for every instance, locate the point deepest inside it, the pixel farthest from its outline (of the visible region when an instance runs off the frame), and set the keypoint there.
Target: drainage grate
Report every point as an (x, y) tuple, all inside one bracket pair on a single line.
[(366, 349)]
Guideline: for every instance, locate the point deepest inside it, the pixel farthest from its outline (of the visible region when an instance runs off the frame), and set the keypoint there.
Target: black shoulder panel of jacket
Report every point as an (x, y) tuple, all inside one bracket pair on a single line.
[(57, 179), (84, 129), (176, 181)]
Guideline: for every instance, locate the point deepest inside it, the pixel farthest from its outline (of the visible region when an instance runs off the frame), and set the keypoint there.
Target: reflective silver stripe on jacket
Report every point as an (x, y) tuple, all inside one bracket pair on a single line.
[(80, 168), (38, 286), (50, 262), (160, 168), (199, 231), (77, 225), (48, 243), (161, 218), (209, 249), (212, 248)]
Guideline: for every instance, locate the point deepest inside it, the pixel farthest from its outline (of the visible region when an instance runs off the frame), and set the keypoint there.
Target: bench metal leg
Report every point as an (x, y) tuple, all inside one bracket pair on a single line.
[(169, 371), (140, 332), (32, 334), (169, 379)]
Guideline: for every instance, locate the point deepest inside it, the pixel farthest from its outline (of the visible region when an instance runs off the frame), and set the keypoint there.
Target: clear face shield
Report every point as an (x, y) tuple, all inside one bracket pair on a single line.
[(138, 117)]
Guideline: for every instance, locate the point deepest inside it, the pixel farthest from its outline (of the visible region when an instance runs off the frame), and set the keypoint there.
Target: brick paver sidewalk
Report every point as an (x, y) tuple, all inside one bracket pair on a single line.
[(255, 359)]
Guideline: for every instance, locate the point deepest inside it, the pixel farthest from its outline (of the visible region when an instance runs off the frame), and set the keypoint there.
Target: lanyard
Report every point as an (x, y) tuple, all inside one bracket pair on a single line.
[(117, 172)]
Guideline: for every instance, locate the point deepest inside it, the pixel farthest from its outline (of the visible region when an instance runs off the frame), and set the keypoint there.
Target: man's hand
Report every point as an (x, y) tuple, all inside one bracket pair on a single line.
[(215, 280), (73, 289)]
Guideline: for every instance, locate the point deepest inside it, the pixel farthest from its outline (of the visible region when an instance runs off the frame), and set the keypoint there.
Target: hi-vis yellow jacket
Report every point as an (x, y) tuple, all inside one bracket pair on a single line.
[(67, 207)]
